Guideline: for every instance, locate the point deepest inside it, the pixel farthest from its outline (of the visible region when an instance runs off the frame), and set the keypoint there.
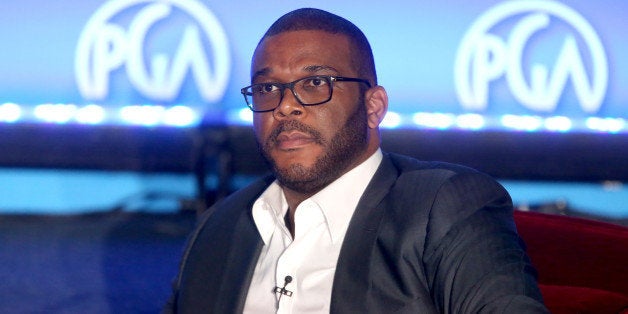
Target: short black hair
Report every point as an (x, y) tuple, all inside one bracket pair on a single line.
[(320, 20)]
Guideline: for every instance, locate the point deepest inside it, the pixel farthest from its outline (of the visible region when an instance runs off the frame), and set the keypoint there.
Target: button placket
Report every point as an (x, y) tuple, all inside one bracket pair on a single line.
[(308, 217)]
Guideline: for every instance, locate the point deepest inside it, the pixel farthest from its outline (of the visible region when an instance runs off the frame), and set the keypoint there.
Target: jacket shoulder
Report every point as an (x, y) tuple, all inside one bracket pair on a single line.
[(406, 164), (450, 193)]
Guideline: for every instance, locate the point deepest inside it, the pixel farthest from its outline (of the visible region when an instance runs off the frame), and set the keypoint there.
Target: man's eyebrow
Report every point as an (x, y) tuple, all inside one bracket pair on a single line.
[(309, 68), (319, 68), (261, 72)]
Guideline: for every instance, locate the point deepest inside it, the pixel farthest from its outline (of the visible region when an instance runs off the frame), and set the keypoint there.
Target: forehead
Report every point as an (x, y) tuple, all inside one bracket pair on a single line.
[(295, 50)]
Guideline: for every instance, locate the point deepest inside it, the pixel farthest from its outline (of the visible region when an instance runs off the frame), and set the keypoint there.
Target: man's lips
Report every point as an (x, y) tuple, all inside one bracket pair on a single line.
[(293, 140), (292, 135)]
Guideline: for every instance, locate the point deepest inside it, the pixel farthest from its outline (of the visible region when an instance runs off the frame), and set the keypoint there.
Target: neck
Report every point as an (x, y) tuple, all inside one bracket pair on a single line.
[(293, 198), (289, 221)]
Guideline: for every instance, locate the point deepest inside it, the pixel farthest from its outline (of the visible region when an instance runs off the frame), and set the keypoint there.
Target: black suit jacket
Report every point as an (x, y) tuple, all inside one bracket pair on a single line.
[(426, 237)]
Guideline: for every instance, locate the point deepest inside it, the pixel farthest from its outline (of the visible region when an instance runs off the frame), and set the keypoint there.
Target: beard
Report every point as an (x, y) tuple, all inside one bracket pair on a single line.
[(340, 152)]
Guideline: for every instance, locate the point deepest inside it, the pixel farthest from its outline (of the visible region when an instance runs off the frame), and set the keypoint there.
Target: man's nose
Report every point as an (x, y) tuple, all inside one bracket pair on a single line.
[(289, 106)]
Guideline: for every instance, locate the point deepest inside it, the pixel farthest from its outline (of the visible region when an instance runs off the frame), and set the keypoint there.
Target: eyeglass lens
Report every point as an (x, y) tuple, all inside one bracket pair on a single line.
[(308, 91)]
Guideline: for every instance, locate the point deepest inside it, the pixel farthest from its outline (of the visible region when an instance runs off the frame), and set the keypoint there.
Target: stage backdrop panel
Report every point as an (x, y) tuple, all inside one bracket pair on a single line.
[(509, 65)]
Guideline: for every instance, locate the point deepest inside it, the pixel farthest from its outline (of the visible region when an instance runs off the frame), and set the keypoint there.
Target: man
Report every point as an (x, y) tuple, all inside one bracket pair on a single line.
[(340, 226)]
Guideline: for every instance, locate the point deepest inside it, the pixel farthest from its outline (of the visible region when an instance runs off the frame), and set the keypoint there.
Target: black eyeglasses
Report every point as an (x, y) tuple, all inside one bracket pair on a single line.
[(308, 91)]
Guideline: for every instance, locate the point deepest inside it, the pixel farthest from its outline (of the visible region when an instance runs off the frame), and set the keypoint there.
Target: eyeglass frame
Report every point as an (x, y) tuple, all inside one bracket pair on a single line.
[(290, 85)]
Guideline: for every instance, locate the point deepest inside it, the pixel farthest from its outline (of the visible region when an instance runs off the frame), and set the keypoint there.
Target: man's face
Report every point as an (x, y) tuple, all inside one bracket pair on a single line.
[(310, 146)]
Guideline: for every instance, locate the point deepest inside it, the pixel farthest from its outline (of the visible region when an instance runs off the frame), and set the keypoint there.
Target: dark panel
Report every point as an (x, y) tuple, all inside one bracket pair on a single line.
[(509, 155), (543, 156), (97, 147)]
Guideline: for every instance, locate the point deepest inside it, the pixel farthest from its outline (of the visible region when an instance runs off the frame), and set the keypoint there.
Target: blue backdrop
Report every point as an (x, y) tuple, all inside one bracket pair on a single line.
[(558, 62)]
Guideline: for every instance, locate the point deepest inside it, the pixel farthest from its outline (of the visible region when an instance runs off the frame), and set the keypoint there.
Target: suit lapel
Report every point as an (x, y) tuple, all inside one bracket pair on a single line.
[(217, 276), (241, 261), (351, 280)]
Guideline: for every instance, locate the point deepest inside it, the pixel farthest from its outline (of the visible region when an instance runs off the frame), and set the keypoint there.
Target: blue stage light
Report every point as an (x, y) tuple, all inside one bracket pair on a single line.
[(439, 121), (470, 121), (180, 116), (142, 115), (610, 125), (185, 116), (10, 112), (91, 114), (558, 124), (521, 123), (55, 113), (392, 120)]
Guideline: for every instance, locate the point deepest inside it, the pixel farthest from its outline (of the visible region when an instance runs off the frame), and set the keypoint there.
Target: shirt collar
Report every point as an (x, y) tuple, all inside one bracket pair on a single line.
[(268, 210), (338, 201)]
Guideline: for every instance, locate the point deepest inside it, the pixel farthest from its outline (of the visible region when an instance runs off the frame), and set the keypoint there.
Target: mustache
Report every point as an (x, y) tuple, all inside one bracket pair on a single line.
[(294, 125)]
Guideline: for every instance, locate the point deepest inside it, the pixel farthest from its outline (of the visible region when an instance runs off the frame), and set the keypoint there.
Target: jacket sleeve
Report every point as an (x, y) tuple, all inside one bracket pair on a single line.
[(169, 307), (474, 260), (171, 304)]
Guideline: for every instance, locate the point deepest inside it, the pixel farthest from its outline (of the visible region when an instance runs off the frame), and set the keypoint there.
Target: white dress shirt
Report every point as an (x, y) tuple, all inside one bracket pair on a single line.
[(321, 222)]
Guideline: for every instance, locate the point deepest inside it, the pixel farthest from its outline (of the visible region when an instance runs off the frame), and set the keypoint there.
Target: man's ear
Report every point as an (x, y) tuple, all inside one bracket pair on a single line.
[(376, 105)]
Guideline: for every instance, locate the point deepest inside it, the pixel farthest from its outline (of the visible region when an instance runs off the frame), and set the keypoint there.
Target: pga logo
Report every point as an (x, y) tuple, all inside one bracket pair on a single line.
[(484, 57), (105, 46)]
